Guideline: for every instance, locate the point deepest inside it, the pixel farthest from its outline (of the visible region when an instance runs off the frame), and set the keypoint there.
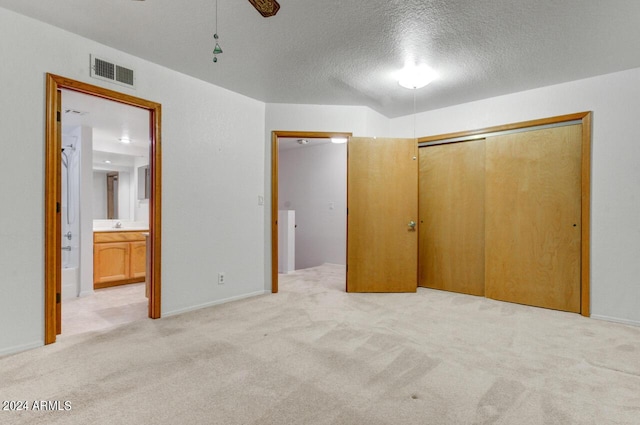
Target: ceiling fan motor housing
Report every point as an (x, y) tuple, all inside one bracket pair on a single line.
[(266, 7)]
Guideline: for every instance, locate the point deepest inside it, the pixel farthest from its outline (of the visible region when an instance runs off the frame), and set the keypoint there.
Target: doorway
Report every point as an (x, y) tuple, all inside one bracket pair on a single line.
[(280, 138), (53, 198)]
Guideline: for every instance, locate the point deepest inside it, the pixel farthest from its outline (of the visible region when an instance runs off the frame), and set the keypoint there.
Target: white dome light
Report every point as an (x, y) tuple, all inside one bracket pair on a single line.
[(416, 76)]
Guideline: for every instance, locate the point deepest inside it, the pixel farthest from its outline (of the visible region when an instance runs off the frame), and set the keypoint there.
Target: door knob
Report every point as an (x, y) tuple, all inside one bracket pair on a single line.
[(412, 225)]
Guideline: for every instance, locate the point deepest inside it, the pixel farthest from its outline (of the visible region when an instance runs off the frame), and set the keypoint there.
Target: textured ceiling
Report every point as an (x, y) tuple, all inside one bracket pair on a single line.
[(346, 51)]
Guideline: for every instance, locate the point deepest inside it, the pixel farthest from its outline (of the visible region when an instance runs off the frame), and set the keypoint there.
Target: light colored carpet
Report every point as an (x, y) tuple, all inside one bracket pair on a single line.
[(316, 355)]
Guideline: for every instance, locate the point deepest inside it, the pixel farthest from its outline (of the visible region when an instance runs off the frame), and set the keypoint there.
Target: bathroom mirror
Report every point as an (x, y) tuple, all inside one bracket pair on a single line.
[(144, 182), (111, 194)]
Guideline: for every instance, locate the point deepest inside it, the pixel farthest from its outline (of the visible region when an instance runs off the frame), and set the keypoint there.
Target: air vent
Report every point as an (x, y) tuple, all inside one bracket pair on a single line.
[(124, 75), (106, 70)]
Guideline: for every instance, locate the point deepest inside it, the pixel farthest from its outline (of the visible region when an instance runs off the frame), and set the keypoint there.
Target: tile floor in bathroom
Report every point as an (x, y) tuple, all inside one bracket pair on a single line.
[(106, 308)]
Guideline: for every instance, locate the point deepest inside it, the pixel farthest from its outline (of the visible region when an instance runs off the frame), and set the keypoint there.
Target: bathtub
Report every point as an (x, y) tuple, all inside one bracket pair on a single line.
[(70, 276)]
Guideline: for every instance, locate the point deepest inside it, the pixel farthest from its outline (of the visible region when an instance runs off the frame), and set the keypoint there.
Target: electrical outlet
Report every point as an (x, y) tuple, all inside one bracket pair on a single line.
[(260, 200), (221, 278)]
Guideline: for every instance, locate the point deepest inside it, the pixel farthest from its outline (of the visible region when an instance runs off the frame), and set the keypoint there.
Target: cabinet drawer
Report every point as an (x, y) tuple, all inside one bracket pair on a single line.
[(99, 237)]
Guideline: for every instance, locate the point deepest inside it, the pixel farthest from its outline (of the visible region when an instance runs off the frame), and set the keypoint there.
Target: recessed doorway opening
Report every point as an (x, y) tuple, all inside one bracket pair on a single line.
[(73, 148), (309, 183)]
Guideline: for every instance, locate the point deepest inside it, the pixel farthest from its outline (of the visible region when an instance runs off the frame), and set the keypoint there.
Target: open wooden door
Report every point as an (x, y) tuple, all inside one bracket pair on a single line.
[(382, 215)]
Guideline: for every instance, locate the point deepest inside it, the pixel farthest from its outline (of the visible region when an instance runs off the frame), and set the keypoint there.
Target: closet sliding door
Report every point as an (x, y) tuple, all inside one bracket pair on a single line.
[(452, 216), (503, 216), (533, 217)]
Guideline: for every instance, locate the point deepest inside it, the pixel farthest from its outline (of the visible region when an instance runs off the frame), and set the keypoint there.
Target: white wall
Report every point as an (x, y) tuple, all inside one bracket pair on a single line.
[(615, 178), (359, 120), (313, 182), (213, 169)]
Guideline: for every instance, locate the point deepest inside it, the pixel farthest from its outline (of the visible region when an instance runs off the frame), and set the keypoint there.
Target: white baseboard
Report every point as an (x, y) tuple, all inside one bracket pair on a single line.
[(212, 303), (616, 320), (19, 348)]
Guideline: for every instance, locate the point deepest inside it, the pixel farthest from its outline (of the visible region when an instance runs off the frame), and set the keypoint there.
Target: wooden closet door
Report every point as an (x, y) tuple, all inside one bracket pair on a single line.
[(452, 217), (382, 211), (533, 217)]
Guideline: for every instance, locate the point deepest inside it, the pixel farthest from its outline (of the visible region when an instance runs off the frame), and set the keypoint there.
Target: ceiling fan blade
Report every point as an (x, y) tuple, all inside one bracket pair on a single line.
[(266, 7)]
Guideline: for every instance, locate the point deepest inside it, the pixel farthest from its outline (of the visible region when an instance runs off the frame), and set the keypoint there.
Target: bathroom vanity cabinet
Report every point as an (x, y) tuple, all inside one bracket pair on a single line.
[(119, 258)]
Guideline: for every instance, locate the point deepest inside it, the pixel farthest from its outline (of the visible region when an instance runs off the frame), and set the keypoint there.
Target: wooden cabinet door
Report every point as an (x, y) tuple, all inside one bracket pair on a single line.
[(451, 243), (533, 224), (382, 200), (138, 267), (110, 262)]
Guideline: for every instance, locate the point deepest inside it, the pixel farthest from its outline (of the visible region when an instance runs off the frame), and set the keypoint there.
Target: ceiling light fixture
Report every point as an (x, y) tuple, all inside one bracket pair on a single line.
[(415, 76), (125, 140), (338, 140), (106, 161), (217, 50)]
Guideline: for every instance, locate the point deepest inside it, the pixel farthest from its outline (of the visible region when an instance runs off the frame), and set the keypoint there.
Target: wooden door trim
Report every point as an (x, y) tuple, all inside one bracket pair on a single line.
[(580, 116), (586, 120), (53, 181), (275, 135), (585, 242)]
